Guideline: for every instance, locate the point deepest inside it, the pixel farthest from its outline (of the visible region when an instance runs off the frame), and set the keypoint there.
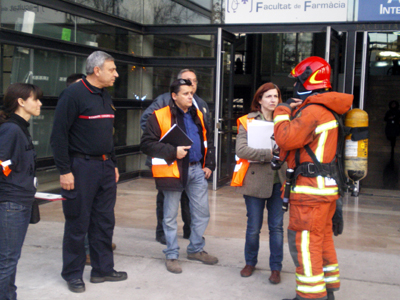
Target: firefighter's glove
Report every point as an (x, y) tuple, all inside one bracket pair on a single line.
[(337, 220), (290, 101)]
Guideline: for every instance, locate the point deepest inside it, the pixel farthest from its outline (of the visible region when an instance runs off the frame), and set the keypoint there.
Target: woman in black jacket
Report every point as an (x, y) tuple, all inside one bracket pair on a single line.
[(17, 178)]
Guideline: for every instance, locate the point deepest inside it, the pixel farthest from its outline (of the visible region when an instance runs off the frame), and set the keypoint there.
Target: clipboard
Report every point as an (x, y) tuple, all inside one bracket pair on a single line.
[(176, 137)]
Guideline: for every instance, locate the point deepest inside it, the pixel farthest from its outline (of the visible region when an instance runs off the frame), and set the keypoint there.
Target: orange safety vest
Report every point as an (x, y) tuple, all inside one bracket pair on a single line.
[(160, 168), (242, 165)]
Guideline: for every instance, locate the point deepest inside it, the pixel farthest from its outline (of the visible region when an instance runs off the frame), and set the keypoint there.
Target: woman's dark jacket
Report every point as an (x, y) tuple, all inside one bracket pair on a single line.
[(16, 145)]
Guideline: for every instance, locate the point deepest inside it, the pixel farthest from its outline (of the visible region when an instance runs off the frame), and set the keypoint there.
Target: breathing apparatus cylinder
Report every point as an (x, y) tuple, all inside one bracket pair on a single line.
[(356, 149)]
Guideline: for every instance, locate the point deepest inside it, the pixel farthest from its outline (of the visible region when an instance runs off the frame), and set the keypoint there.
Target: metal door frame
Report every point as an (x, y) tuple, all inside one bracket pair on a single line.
[(222, 35)]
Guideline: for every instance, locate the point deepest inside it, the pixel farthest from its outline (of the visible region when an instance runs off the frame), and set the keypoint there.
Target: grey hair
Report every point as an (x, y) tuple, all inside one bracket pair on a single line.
[(96, 59), (184, 71)]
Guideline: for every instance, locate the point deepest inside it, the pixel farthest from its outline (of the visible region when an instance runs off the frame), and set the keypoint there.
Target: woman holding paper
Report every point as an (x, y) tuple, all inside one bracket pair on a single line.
[(259, 184), (17, 176)]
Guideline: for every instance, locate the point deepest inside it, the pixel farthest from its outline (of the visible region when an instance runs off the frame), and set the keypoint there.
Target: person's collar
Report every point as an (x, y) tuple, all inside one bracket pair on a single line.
[(19, 120), (180, 110), (90, 87)]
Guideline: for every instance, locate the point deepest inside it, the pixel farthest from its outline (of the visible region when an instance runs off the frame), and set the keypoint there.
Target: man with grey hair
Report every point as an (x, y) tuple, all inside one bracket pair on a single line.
[(83, 148)]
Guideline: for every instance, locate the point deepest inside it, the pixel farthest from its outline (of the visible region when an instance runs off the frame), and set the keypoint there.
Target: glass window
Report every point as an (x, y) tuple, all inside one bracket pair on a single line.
[(286, 49), (127, 9), (204, 3), (179, 45), (35, 19), (384, 53), (40, 128), (131, 163), (127, 127), (156, 81), (47, 69), (151, 11), (170, 12)]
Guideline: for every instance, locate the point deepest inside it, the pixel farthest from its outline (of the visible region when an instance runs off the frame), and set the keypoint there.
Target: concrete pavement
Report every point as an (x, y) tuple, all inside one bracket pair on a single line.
[(365, 275)]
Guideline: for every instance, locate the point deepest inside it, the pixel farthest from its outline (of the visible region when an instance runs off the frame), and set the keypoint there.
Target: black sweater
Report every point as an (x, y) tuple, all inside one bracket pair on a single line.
[(16, 145), (83, 123)]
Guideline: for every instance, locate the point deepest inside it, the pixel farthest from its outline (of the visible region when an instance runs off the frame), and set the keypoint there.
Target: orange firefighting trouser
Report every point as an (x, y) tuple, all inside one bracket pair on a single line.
[(312, 249)]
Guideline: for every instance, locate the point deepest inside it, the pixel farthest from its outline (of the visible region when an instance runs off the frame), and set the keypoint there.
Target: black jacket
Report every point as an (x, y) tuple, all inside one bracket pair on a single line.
[(16, 145), (151, 146), (83, 123)]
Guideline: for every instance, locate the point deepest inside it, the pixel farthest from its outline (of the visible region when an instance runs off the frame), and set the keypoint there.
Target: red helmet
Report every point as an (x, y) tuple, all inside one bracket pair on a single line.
[(314, 73)]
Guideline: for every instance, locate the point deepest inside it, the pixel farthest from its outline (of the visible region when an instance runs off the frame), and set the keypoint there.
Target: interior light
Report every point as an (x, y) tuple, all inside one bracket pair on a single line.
[(389, 54)]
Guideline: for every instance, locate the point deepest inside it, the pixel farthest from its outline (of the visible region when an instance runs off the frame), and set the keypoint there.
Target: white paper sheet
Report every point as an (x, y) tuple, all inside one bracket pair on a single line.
[(259, 134)]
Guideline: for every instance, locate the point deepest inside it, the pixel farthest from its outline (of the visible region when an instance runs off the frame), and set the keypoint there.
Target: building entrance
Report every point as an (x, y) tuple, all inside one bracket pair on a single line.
[(382, 91), (269, 57)]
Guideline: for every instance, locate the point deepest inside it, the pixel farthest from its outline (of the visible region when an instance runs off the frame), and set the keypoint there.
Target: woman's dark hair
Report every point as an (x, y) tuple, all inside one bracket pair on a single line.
[(13, 92), (255, 105)]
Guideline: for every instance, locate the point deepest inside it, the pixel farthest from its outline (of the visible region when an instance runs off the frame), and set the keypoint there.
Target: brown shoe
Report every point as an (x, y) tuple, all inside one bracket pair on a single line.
[(113, 246), (173, 266), (204, 257), (275, 277), (87, 260), (247, 271)]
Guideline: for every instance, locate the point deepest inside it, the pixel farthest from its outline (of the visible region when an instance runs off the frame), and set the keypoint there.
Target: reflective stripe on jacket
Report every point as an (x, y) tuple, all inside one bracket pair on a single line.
[(160, 168), (242, 165)]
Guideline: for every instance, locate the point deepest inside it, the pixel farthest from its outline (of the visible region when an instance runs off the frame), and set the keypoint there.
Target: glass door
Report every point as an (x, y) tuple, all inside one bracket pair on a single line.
[(223, 109), (335, 55)]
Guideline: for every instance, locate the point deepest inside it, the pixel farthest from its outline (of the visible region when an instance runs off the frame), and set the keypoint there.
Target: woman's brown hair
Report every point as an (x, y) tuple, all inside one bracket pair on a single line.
[(13, 93), (255, 105)]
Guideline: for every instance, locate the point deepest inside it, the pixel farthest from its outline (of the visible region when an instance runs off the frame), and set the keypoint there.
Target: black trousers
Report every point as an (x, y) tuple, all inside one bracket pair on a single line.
[(89, 208), (185, 211)]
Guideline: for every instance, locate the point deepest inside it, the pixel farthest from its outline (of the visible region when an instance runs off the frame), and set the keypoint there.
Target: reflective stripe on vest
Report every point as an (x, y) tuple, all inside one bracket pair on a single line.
[(242, 165), (5, 165), (160, 168)]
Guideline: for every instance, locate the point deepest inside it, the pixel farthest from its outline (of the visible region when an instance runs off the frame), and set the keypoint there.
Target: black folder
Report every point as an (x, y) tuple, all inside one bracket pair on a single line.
[(176, 137)]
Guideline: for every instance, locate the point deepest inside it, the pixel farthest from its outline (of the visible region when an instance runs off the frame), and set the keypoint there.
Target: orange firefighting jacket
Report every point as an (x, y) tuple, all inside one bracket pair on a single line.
[(242, 165), (160, 168), (317, 127)]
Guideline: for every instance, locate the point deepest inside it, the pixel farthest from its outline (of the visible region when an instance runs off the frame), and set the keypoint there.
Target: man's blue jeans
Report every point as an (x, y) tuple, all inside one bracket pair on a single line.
[(255, 215), (197, 191), (14, 222)]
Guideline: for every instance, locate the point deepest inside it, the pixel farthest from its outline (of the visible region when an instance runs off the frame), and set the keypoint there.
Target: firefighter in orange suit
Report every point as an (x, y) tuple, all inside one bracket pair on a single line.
[(300, 125)]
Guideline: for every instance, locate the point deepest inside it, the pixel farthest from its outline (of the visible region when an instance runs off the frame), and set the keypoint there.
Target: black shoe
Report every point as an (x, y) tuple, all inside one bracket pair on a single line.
[(114, 276), (161, 239), (76, 285), (331, 296)]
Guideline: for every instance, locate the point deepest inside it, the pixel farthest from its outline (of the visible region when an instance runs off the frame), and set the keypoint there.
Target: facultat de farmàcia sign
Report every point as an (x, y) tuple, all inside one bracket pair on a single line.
[(285, 11)]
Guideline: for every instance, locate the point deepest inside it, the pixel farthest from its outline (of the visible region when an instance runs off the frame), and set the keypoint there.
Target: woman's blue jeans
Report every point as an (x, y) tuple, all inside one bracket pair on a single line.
[(14, 222), (255, 215)]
